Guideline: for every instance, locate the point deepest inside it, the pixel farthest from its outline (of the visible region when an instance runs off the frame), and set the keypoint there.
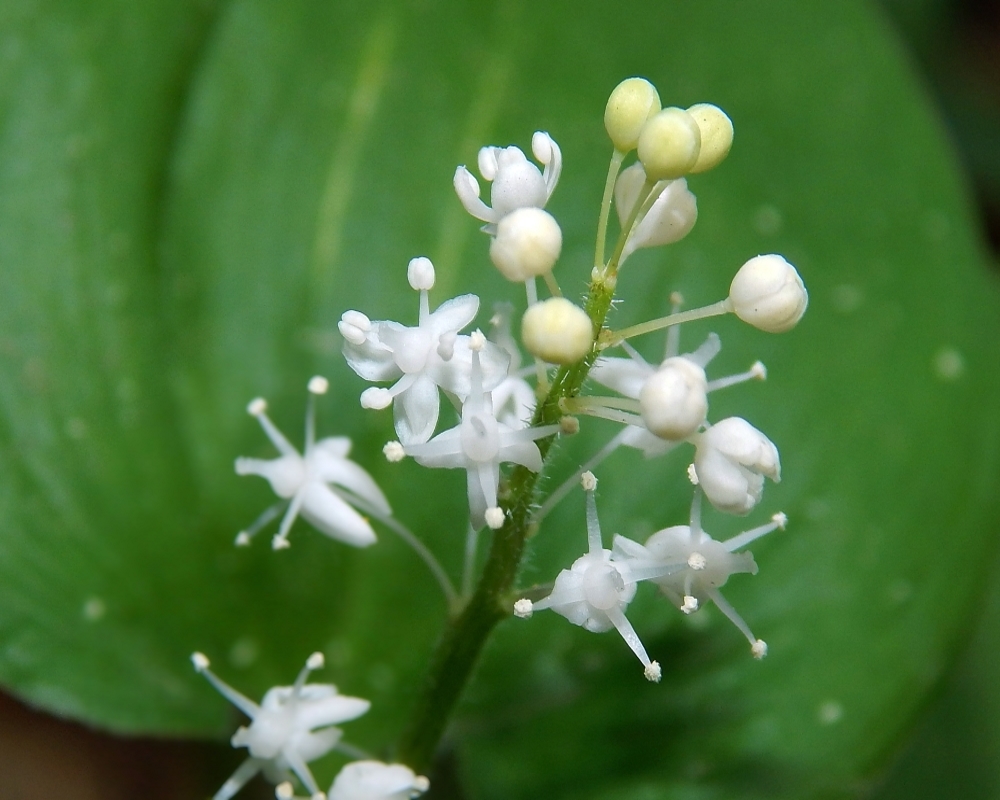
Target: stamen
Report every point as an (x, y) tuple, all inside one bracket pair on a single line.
[(743, 539), (523, 608), (758, 372), (733, 616), (594, 539), (280, 540), (243, 537), (257, 408), (243, 703), (706, 351)]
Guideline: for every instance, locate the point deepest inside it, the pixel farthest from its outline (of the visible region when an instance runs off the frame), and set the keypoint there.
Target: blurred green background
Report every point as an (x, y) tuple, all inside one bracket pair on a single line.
[(237, 110)]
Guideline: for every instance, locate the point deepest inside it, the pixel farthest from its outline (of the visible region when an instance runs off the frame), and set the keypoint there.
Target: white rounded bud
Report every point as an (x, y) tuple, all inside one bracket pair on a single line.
[(631, 104), (768, 293), (674, 400), (716, 135), (557, 331), (669, 144), (527, 244), (420, 273)]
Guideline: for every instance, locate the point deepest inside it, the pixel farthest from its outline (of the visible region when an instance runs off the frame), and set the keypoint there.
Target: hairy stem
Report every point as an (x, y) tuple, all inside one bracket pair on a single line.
[(458, 649)]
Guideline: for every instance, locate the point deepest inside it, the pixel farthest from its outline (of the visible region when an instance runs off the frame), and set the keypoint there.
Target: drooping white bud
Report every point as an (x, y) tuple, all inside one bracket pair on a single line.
[(557, 331), (420, 273), (732, 458), (768, 293), (669, 144), (527, 244), (670, 218), (631, 104), (716, 135), (673, 400)]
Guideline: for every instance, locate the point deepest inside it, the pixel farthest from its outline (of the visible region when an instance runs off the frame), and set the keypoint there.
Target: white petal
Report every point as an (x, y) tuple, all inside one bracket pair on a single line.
[(416, 411), (348, 475), (624, 375), (331, 515), (467, 189), (453, 315), (373, 360)]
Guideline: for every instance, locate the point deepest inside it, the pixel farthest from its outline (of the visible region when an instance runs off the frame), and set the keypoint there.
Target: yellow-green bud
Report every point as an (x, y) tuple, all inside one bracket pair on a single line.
[(716, 135), (557, 331), (669, 144), (631, 104)]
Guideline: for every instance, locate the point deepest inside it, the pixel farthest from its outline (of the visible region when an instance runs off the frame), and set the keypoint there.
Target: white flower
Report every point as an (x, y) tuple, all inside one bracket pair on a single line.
[(595, 591), (322, 484), (291, 727), (690, 566), (373, 780), (731, 460), (419, 359), (670, 218), (479, 444), (516, 182)]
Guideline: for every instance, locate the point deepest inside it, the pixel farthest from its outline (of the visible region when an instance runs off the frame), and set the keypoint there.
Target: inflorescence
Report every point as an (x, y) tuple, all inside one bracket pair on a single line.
[(504, 419)]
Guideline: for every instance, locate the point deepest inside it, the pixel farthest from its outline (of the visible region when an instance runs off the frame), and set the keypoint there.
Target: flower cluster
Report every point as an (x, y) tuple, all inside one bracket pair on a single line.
[(503, 419)]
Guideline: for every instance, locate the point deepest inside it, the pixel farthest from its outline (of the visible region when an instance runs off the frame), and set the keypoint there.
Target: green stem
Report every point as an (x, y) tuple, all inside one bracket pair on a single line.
[(458, 649), (602, 222)]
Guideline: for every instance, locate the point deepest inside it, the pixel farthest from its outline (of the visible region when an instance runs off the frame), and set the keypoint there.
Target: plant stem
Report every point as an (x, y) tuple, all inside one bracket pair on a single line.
[(458, 649)]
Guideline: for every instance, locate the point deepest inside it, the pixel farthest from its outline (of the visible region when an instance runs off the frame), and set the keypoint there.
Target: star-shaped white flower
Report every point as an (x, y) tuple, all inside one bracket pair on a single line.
[(291, 726), (419, 359), (321, 484), (690, 566), (479, 444), (516, 182), (595, 591)]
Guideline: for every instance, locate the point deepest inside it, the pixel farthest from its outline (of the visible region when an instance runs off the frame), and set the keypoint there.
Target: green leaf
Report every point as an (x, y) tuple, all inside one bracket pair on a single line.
[(310, 159)]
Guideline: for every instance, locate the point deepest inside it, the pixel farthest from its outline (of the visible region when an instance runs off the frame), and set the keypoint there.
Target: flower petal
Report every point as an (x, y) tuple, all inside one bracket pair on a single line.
[(416, 411), (331, 515)]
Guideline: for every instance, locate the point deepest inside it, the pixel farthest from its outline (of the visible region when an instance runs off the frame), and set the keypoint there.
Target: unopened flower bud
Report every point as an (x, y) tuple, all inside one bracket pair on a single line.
[(673, 400), (557, 331), (716, 135), (631, 104), (669, 144), (420, 273), (669, 219), (527, 244), (768, 293)]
